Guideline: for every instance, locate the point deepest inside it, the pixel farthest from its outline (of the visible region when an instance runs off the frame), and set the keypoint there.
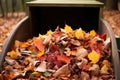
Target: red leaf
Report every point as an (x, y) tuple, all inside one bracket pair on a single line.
[(57, 36), (103, 36), (95, 47), (42, 58), (55, 47), (100, 45), (58, 63), (51, 57), (85, 67), (63, 58)]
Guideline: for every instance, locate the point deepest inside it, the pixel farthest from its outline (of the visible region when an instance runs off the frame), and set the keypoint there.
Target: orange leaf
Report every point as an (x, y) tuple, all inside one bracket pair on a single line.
[(73, 52), (92, 41), (25, 44), (29, 68), (11, 76), (92, 33), (13, 54), (39, 44)]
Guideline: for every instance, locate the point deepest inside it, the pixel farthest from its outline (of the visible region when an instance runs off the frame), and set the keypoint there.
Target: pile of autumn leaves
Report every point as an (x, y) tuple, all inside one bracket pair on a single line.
[(60, 47)]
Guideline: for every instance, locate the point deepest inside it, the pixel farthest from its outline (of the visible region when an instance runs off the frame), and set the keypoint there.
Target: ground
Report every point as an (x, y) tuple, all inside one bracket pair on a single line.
[(8, 24), (113, 18)]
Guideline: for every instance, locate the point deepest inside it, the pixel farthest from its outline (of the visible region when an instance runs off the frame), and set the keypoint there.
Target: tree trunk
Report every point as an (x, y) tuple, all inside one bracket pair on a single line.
[(2, 10), (23, 5), (13, 7), (6, 7), (112, 4)]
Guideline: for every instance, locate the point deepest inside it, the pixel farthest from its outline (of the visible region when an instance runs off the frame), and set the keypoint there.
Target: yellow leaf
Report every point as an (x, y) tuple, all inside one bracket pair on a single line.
[(40, 53), (105, 62), (13, 54), (104, 69), (94, 56), (79, 33), (68, 29), (49, 32), (92, 33)]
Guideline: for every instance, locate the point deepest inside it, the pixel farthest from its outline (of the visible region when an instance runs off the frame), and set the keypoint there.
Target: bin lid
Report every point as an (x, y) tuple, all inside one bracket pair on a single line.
[(65, 3)]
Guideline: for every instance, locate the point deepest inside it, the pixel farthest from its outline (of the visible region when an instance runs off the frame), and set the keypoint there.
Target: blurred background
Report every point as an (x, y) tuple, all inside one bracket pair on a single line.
[(12, 6)]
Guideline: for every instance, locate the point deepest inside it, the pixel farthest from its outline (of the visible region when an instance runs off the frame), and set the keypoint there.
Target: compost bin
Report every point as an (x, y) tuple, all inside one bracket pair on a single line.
[(47, 14)]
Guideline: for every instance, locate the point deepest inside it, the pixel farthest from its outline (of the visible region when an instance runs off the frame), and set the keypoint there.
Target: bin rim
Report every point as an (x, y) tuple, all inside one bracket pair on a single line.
[(65, 3)]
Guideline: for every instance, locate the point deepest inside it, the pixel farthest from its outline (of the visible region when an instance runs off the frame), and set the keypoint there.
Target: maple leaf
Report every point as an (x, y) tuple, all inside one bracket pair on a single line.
[(94, 56), (68, 29)]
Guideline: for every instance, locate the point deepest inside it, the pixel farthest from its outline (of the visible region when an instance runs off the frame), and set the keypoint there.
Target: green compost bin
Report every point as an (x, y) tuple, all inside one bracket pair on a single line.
[(118, 45), (50, 13)]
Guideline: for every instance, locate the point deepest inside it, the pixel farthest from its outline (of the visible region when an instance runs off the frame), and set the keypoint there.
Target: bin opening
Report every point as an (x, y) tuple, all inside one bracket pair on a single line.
[(45, 18)]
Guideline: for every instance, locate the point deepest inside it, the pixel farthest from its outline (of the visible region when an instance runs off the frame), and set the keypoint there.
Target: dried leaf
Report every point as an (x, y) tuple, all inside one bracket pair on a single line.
[(40, 53), (79, 33), (11, 76), (63, 70), (103, 36), (104, 69), (73, 52), (13, 54), (29, 68), (63, 58), (92, 33), (49, 32), (24, 45), (94, 56), (47, 74), (68, 29), (37, 74), (41, 67), (106, 62), (81, 52), (39, 44)]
